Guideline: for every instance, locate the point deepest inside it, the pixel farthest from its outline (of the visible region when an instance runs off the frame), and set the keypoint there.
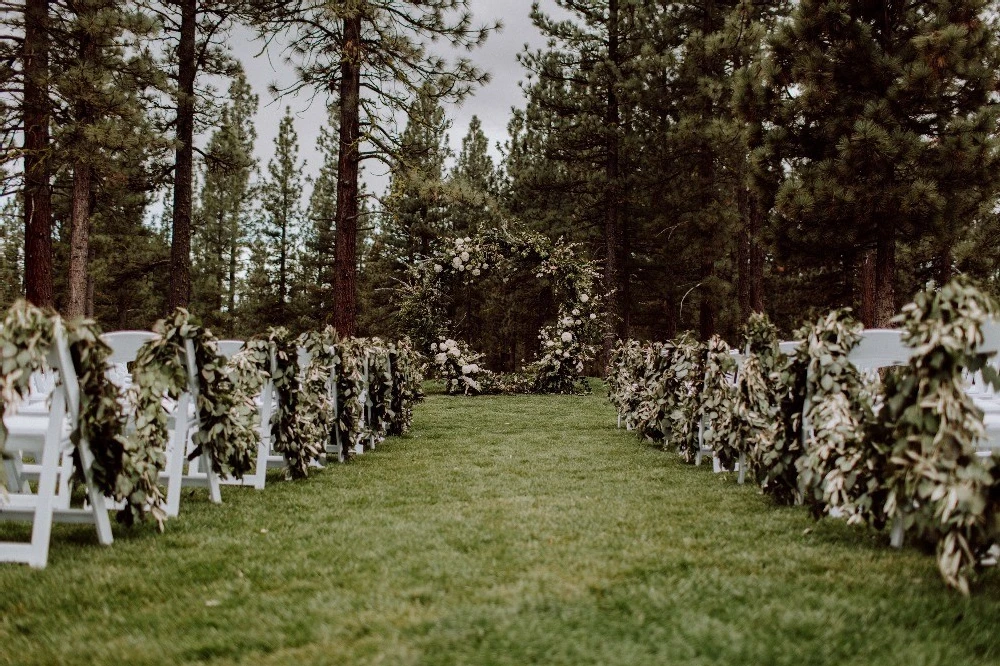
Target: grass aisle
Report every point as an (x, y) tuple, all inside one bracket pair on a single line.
[(503, 531)]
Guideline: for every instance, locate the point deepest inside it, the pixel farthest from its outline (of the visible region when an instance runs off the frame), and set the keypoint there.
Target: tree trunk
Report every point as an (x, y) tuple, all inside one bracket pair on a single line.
[(706, 315), (233, 259), (37, 190), (345, 307), (79, 240), (79, 234), (866, 278), (885, 276), (615, 269), (180, 246)]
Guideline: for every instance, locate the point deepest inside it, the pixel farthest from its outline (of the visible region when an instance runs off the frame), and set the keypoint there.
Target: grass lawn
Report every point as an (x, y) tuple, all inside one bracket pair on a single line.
[(501, 531)]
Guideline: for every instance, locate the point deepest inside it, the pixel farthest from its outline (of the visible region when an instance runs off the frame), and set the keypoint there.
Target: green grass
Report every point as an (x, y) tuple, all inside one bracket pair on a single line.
[(507, 530)]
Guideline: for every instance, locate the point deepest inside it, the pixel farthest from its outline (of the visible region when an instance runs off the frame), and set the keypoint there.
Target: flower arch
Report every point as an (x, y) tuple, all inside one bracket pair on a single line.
[(565, 346)]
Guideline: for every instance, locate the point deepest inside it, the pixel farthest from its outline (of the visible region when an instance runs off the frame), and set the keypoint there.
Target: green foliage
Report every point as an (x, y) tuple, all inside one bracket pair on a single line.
[(716, 406), (124, 468), (928, 427), (840, 468), (162, 368), (502, 251)]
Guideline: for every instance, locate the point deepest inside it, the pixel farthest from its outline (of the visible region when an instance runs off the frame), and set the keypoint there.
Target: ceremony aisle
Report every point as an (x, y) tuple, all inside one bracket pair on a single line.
[(502, 530)]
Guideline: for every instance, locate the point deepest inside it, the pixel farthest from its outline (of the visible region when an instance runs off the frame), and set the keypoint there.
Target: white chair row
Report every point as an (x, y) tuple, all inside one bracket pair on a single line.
[(43, 434)]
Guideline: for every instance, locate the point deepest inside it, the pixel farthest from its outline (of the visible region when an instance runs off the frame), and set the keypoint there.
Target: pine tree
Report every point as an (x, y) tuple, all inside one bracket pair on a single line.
[(885, 134), (317, 261), (473, 184), (11, 252), (225, 207), (281, 223), (418, 195), (374, 56)]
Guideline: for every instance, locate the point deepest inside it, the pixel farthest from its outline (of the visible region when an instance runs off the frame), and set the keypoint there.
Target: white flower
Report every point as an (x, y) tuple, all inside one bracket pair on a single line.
[(593, 316), (567, 336), (456, 262), (462, 267), (467, 369), (565, 354), (434, 346), (454, 351), (465, 256), (550, 343), (438, 268), (459, 242), (578, 322), (584, 298), (468, 240), (485, 266), (566, 321), (576, 312), (475, 271), (538, 275), (441, 358)]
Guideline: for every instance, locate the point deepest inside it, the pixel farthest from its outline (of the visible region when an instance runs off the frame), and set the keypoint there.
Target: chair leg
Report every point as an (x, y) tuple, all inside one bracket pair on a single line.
[(97, 502), (41, 529), (743, 467), (175, 468), (213, 480), (896, 536)]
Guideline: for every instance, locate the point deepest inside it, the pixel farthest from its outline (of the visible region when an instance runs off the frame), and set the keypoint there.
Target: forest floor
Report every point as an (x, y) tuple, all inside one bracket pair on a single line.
[(503, 530)]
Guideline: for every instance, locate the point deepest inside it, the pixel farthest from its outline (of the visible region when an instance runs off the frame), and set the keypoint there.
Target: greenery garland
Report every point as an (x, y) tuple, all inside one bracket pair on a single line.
[(928, 427), (124, 468), (160, 369), (838, 470), (406, 385), (351, 429), (717, 399)]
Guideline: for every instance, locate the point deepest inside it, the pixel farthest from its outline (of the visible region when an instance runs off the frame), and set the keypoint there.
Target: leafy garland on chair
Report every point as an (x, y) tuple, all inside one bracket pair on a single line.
[(407, 380), (717, 399), (929, 425), (839, 469), (124, 468), (160, 369)]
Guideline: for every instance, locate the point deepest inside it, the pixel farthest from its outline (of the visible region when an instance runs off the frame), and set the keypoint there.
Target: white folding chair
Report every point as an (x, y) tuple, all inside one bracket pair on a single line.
[(183, 418), (881, 348), (985, 397), (45, 438)]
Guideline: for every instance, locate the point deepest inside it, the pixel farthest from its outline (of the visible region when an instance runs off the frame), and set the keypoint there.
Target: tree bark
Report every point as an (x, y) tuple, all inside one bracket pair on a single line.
[(37, 189), (180, 246), (79, 240), (345, 308), (866, 279), (615, 268), (706, 315), (750, 255), (885, 276)]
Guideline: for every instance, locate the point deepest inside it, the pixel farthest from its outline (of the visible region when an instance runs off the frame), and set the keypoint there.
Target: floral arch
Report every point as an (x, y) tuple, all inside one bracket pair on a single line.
[(565, 346)]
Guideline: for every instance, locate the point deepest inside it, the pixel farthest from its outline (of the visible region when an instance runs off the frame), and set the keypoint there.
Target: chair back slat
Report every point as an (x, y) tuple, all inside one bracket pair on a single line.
[(879, 348), (125, 344)]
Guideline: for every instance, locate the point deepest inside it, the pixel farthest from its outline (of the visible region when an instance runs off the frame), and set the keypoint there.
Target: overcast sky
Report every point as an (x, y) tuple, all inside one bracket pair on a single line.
[(492, 103)]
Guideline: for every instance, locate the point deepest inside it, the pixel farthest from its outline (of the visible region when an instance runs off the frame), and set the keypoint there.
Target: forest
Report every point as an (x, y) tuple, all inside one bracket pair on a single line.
[(716, 158)]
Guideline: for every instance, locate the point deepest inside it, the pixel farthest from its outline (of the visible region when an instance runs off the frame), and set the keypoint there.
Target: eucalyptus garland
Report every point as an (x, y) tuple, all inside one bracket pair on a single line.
[(717, 399), (160, 368), (317, 408), (125, 469), (379, 397), (839, 469), (929, 425), (351, 429), (290, 434), (406, 385), (756, 417)]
